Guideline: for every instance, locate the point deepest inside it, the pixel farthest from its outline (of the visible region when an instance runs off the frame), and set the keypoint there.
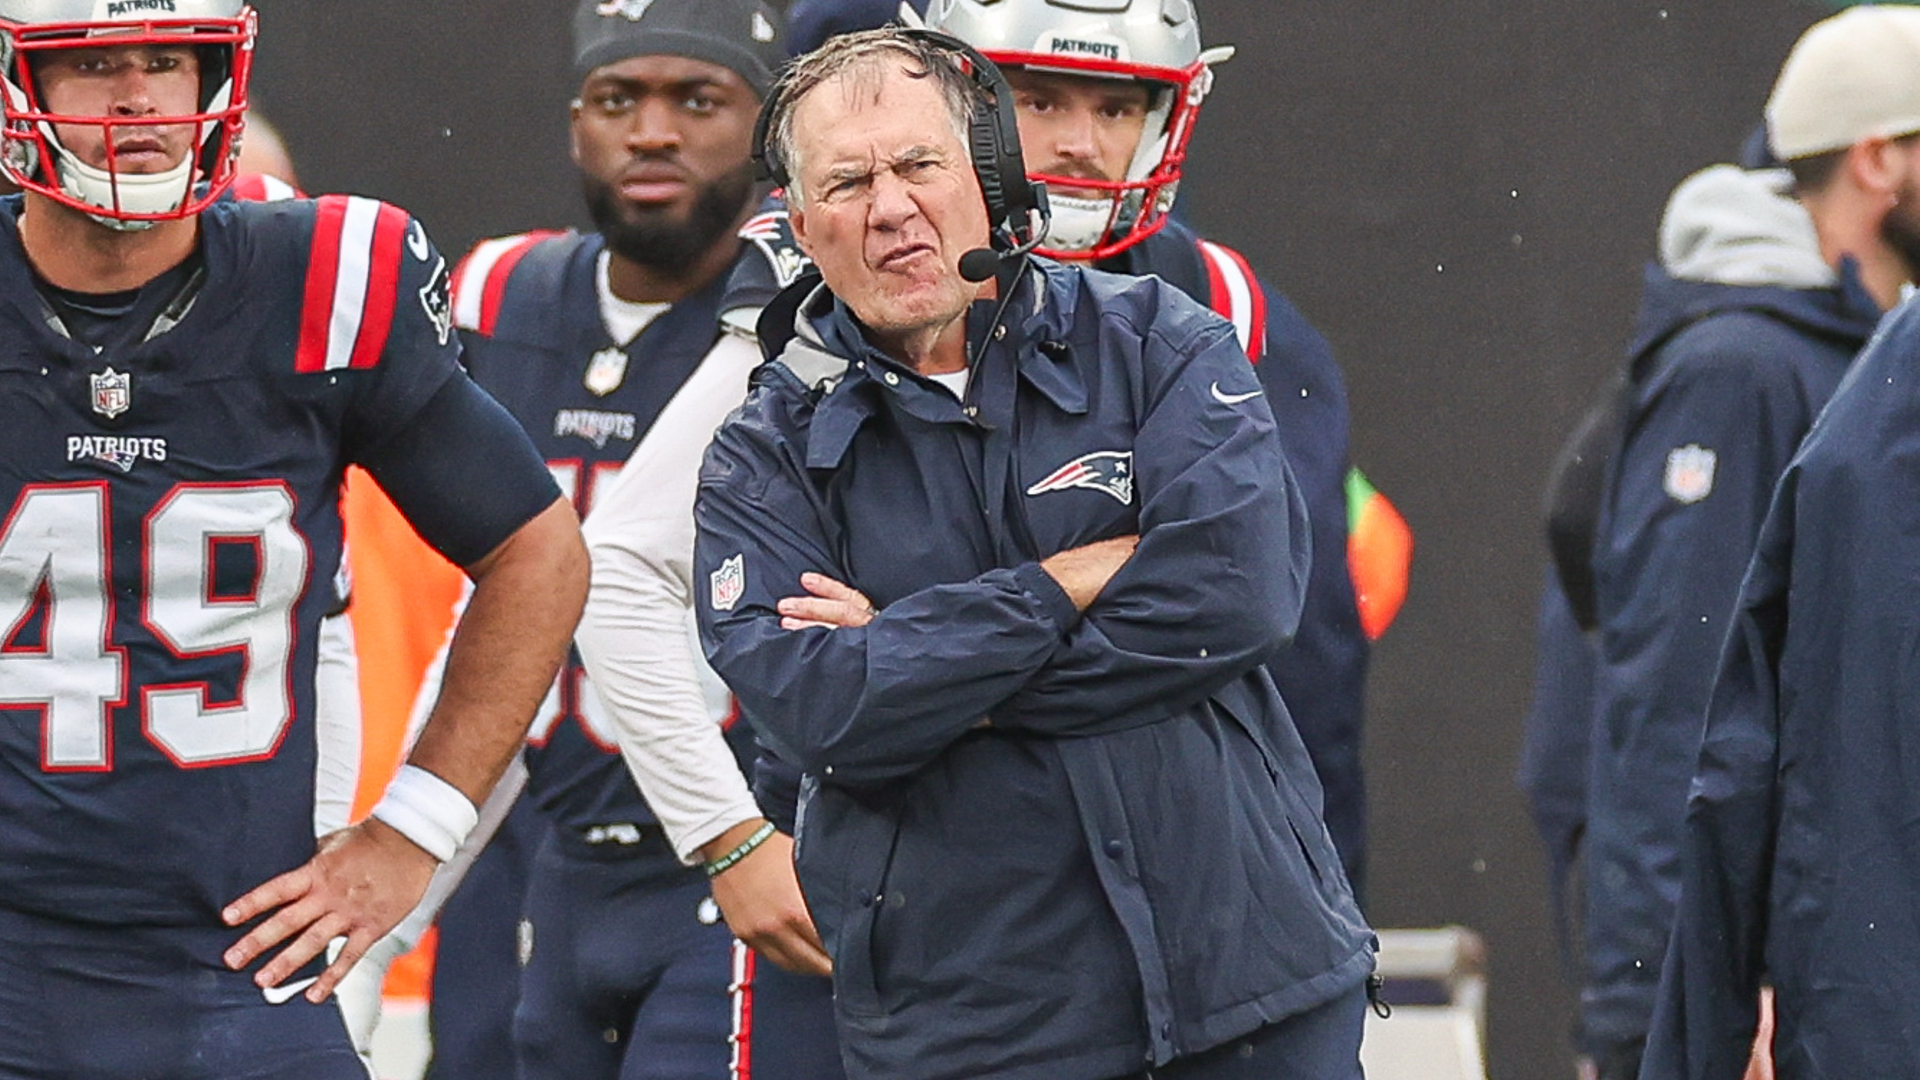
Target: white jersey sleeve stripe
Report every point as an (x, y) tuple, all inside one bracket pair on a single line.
[(470, 283), (350, 282), (1228, 271), (635, 636), (274, 189)]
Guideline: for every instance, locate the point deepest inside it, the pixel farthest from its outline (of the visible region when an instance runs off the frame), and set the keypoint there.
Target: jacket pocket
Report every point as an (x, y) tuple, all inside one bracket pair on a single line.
[(841, 854)]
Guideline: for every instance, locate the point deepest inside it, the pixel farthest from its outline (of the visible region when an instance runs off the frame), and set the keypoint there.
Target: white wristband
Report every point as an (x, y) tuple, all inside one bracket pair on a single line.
[(428, 811)]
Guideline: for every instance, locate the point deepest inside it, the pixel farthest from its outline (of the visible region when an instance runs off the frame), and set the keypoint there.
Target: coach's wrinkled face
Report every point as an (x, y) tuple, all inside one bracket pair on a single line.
[(887, 200)]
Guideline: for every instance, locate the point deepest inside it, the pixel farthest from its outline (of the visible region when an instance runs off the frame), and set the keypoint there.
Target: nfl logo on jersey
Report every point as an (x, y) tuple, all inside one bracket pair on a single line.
[(728, 583), (112, 393)]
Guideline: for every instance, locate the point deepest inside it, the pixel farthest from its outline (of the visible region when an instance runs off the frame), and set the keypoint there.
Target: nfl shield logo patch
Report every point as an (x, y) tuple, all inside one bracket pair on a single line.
[(606, 370), (112, 393), (1690, 473), (728, 583)]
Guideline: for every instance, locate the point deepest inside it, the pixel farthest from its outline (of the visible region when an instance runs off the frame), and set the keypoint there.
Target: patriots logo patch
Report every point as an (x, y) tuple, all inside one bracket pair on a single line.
[(1110, 471), (773, 235), (437, 303)]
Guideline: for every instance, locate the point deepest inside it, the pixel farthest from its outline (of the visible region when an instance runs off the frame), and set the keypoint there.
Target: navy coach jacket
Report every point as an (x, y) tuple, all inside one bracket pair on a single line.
[(1802, 848), (1038, 845), (1725, 380)]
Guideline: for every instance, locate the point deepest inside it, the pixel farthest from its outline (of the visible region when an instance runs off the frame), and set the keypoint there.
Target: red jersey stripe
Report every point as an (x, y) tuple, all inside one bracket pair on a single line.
[(497, 280), (1235, 293), (1257, 305), (323, 267), (259, 187), (744, 962), (481, 279)]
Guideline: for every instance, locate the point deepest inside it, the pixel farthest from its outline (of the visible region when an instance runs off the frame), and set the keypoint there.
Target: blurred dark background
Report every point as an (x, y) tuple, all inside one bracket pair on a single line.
[(1460, 195)]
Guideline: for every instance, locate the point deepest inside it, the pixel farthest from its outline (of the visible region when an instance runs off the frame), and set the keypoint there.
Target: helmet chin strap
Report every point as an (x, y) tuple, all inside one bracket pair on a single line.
[(1078, 223), (139, 193)]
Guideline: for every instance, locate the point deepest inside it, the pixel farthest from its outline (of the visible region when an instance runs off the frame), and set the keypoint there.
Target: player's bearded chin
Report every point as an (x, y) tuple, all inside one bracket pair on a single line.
[(1901, 227), (659, 239)]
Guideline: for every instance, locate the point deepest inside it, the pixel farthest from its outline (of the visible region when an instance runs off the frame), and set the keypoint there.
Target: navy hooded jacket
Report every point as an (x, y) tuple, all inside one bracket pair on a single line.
[(1801, 856), (1037, 844), (1725, 379), (1322, 671)]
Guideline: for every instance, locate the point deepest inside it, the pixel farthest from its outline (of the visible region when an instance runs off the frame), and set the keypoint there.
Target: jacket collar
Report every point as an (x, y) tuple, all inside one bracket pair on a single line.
[(1844, 311), (813, 334)]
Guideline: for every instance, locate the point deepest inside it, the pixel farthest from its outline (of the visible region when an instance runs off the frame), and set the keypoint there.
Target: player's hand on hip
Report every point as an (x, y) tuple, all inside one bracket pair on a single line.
[(359, 885), (832, 605), (760, 897)]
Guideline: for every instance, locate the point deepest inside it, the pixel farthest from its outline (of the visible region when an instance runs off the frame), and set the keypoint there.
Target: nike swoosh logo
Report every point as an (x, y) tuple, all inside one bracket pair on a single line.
[(1234, 399), (285, 992)]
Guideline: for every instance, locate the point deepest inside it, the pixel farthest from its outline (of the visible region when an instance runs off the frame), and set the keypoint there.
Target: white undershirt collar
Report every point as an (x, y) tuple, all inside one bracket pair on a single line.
[(624, 319), (955, 382)]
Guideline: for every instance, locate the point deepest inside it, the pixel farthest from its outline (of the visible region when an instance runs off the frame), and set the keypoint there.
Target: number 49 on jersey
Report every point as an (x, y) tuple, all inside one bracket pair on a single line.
[(223, 567)]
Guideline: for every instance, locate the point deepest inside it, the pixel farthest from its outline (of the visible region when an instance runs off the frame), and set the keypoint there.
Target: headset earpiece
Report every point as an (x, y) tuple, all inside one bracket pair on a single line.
[(764, 167), (993, 140)]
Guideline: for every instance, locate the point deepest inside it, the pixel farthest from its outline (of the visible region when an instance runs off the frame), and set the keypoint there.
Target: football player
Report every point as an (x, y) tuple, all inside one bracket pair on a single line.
[(184, 378), (608, 348)]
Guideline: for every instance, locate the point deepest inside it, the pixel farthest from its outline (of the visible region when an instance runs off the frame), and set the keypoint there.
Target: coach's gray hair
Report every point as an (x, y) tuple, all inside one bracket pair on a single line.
[(861, 55)]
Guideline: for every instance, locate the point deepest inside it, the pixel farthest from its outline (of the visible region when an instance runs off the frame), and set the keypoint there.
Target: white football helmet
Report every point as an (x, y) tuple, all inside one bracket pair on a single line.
[(222, 34), (1154, 41)]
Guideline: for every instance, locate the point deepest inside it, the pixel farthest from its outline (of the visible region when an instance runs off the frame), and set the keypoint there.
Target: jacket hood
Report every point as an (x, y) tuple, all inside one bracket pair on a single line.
[(1734, 239), (1735, 226)]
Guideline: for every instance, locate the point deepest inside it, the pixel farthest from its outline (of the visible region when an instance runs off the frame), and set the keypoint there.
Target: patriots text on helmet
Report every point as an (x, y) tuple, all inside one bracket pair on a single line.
[(121, 8), (1091, 48)]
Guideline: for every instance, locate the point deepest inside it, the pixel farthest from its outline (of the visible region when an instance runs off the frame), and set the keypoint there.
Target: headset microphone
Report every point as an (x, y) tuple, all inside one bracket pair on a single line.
[(979, 264), (982, 263)]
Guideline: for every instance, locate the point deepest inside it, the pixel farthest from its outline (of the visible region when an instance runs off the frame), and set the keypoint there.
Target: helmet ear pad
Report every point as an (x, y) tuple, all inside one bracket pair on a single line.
[(993, 141)]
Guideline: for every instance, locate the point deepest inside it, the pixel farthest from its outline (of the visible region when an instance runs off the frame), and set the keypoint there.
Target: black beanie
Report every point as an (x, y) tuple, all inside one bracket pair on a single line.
[(741, 35)]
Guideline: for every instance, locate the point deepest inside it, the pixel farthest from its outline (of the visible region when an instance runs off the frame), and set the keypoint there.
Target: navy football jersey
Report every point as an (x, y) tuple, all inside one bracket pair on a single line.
[(529, 311), (171, 530)]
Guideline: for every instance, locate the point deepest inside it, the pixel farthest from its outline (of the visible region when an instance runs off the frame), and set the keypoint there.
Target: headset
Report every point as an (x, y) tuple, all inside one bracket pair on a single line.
[(1017, 209)]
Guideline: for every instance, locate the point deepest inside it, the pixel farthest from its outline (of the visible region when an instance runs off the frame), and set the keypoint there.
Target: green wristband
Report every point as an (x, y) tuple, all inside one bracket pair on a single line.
[(721, 864)]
